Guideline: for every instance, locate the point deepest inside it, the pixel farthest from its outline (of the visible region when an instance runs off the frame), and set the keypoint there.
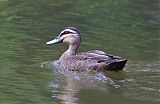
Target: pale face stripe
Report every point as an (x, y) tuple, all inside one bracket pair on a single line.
[(68, 30), (67, 35), (72, 33)]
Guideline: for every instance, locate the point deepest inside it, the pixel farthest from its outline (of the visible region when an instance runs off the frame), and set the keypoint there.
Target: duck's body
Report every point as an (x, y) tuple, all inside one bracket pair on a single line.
[(86, 61)]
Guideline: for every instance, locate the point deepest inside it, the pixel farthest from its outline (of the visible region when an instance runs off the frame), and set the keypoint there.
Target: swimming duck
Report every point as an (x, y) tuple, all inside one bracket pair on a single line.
[(92, 60)]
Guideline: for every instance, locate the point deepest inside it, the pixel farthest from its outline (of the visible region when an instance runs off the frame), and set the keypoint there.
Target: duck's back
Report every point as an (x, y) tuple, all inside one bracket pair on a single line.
[(106, 61)]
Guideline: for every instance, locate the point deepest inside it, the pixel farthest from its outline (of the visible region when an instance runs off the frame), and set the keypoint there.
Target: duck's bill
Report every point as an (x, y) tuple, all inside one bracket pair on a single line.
[(54, 41)]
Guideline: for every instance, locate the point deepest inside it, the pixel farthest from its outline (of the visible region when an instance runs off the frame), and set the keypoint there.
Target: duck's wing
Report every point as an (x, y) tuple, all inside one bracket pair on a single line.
[(111, 62), (98, 55)]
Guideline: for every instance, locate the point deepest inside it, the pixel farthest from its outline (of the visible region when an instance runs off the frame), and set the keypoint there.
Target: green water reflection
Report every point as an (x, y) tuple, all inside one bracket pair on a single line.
[(128, 28)]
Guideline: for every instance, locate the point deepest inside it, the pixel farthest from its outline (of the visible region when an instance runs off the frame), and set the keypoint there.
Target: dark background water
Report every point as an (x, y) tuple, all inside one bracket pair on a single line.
[(128, 28)]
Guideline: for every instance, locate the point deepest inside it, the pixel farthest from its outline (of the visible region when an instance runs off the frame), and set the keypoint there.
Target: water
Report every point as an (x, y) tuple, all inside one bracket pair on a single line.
[(128, 28)]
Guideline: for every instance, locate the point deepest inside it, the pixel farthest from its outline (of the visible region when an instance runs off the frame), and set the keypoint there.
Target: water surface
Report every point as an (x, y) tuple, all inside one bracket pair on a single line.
[(128, 28)]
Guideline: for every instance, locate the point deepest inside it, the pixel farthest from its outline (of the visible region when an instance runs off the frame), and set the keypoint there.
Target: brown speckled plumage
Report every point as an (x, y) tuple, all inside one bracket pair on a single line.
[(86, 61)]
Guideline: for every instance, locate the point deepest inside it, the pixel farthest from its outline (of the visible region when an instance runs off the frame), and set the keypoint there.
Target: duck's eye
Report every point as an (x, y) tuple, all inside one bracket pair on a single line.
[(66, 32)]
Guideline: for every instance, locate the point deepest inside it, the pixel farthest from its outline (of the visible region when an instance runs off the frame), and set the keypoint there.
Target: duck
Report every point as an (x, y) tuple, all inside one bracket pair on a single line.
[(94, 60)]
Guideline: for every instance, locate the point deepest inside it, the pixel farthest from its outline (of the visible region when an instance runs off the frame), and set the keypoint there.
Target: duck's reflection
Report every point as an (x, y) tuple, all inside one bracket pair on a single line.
[(67, 85)]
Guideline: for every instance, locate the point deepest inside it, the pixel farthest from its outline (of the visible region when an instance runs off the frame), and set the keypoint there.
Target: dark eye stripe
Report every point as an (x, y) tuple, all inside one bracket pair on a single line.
[(65, 32)]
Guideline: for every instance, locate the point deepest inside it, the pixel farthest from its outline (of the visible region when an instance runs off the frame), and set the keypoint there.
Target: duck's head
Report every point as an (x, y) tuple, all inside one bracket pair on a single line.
[(69, 35)]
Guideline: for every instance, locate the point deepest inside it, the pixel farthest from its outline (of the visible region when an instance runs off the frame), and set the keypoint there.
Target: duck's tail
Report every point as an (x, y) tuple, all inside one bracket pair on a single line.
[(117, 65)]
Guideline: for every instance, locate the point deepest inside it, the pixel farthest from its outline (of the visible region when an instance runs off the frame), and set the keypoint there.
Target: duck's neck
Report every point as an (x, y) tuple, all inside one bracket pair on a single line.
[(72, 50)]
